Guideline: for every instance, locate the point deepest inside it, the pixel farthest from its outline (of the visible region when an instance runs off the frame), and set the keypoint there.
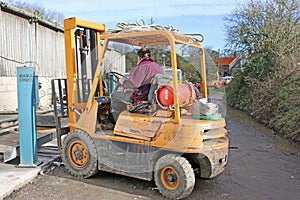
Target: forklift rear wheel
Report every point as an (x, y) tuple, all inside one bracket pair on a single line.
[(174, 176), (79, 154)]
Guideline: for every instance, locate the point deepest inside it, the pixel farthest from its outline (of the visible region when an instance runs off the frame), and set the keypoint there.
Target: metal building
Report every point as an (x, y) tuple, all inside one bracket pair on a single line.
[(26, 40)]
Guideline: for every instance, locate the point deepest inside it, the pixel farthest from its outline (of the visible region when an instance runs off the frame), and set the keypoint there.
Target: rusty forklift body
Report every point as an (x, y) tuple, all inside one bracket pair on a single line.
[(167, 144)]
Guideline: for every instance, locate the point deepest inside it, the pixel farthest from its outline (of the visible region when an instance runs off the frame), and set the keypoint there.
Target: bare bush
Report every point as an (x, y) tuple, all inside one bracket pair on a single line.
[(40, 11)]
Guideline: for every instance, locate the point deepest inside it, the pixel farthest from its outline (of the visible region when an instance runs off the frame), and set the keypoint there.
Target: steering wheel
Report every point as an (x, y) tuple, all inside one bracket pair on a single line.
[(116, 78), (117, 75)]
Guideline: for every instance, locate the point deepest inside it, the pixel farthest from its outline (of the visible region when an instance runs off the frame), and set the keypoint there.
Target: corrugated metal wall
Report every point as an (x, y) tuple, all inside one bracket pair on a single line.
[(40, 45), (114, 61), (21, 41)]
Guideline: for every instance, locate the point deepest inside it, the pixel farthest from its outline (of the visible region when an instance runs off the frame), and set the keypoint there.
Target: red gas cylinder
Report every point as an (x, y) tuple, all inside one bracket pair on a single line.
[(165, 95)]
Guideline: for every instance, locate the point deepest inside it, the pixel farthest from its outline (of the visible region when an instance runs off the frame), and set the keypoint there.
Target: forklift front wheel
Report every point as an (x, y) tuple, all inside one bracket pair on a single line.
[(174, 176), (79, 154)]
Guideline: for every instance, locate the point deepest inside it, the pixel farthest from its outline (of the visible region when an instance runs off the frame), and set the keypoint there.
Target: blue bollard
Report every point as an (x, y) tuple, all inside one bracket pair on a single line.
[(36, 92), (26, 115), (112, 84)]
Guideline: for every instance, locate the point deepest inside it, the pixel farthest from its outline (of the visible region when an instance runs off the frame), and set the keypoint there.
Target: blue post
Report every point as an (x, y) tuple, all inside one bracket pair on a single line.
[(26, 110), (112, 84), (36, 91)]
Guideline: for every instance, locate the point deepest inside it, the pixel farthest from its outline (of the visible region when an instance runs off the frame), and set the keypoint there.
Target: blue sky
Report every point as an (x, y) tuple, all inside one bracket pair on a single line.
[(189, 16)]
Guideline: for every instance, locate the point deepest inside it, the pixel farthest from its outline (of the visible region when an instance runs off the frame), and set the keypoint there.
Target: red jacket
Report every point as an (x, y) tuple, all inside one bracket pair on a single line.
[(140, 77)]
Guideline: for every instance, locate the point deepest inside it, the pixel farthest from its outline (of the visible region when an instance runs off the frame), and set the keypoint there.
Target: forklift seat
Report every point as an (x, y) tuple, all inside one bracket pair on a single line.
[(102, 100), (156, 81)]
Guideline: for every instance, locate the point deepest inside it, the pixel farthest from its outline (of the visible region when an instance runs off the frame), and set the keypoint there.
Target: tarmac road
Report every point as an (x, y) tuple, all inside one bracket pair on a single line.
[(261, 166)]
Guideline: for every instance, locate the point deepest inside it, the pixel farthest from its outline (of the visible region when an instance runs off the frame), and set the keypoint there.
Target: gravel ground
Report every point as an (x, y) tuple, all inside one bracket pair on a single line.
[(261, 166)]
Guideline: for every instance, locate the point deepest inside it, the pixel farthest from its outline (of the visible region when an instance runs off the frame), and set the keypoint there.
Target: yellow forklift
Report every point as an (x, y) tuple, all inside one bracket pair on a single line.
[(164, 139)]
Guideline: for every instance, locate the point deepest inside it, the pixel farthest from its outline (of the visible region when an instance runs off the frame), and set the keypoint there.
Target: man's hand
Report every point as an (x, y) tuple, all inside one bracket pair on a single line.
[(121, 80)]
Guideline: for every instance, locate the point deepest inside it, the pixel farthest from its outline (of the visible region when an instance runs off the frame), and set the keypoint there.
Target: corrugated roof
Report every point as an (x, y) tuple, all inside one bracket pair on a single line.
[(27, 15)]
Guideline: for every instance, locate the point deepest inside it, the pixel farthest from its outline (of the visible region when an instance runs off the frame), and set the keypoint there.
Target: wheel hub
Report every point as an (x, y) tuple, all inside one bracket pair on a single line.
[(170, 178), (78, 154)]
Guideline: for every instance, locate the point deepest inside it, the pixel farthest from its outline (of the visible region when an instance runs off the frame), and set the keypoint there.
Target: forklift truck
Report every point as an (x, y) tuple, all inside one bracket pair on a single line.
[(158, 140)]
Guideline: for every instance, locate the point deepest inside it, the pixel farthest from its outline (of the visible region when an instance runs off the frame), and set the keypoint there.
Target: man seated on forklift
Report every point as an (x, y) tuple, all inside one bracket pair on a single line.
[(140, 76), (137, 86)]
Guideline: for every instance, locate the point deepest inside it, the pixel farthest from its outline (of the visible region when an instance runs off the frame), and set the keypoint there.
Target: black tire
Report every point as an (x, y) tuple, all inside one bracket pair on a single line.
[(174, 176), (79, 154)]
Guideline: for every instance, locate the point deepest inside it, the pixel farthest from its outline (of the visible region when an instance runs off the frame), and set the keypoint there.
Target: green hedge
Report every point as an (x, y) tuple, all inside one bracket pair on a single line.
[(275, 102)]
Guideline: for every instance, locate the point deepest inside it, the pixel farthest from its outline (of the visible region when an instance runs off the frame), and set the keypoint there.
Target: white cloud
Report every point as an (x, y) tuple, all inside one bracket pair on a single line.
[(113, 9), (176, 12)]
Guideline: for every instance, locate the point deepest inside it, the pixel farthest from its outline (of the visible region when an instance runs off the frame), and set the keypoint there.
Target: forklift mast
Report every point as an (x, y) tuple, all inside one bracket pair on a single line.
[(82, 42)]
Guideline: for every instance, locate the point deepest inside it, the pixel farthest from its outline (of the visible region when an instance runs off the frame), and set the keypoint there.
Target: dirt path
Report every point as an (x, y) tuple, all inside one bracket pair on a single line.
[(261, 166)]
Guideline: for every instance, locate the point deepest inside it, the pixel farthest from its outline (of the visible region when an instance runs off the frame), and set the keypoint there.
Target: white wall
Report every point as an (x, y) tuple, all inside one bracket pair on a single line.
[(45, 93), (8, 93)]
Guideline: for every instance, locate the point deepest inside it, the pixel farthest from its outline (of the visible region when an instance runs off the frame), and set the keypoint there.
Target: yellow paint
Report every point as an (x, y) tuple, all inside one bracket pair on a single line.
[(71, 71), (168, 130), (97, 77), (69, 27), (88, 118), (73, 22), (203, 72), (185, 137), (139, 125), (179, 137)]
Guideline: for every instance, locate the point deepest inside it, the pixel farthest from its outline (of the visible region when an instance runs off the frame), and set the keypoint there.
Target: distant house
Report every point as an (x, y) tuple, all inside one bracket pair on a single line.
[(229, 65), (236, 64)]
